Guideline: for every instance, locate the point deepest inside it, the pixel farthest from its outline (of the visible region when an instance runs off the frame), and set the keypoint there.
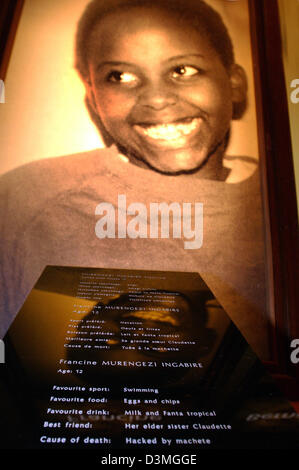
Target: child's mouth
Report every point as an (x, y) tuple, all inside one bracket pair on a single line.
[(171, 133)]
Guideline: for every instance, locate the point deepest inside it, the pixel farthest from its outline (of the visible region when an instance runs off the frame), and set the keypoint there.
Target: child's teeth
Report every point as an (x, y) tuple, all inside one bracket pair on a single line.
[(170, 131)]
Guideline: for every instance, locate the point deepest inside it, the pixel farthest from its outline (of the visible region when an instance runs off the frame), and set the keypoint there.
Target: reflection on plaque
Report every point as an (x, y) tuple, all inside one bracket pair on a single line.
[(121, 359)]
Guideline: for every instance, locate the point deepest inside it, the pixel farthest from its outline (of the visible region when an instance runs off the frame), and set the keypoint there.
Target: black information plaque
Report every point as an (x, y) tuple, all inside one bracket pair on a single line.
[(121, 359)]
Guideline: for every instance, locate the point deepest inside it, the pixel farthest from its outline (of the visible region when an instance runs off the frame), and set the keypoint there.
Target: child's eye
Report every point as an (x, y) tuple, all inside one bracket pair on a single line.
[(185, 71), (122, 77)]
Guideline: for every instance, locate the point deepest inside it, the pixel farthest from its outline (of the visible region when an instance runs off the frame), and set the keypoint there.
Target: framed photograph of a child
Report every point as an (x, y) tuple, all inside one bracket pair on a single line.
[(152, 135)]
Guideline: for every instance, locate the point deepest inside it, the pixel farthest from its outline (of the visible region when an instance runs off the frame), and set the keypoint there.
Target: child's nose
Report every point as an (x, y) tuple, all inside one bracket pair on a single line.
[(157, 96)]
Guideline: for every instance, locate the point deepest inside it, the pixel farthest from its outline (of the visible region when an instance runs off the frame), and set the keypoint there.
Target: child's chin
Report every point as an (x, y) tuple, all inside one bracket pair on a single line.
[(173, 164)]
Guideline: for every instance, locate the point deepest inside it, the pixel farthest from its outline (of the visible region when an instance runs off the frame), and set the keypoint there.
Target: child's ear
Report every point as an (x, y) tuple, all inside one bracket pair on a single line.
[(93, 113), (239, 88), (89, 93)]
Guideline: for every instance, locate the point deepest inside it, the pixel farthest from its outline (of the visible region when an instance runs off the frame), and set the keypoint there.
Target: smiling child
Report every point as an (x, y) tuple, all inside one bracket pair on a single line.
[(164, 94), (162, 87)]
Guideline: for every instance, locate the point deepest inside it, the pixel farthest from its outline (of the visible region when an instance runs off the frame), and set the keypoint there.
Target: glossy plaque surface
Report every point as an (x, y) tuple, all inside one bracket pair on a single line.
[(121, 359)]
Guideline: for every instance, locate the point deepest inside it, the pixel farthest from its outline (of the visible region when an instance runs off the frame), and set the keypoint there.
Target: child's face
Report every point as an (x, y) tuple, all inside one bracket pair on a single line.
[(159, 88)]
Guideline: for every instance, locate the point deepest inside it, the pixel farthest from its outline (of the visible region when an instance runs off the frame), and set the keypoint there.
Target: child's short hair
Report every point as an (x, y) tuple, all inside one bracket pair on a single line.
[(202, 16)]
